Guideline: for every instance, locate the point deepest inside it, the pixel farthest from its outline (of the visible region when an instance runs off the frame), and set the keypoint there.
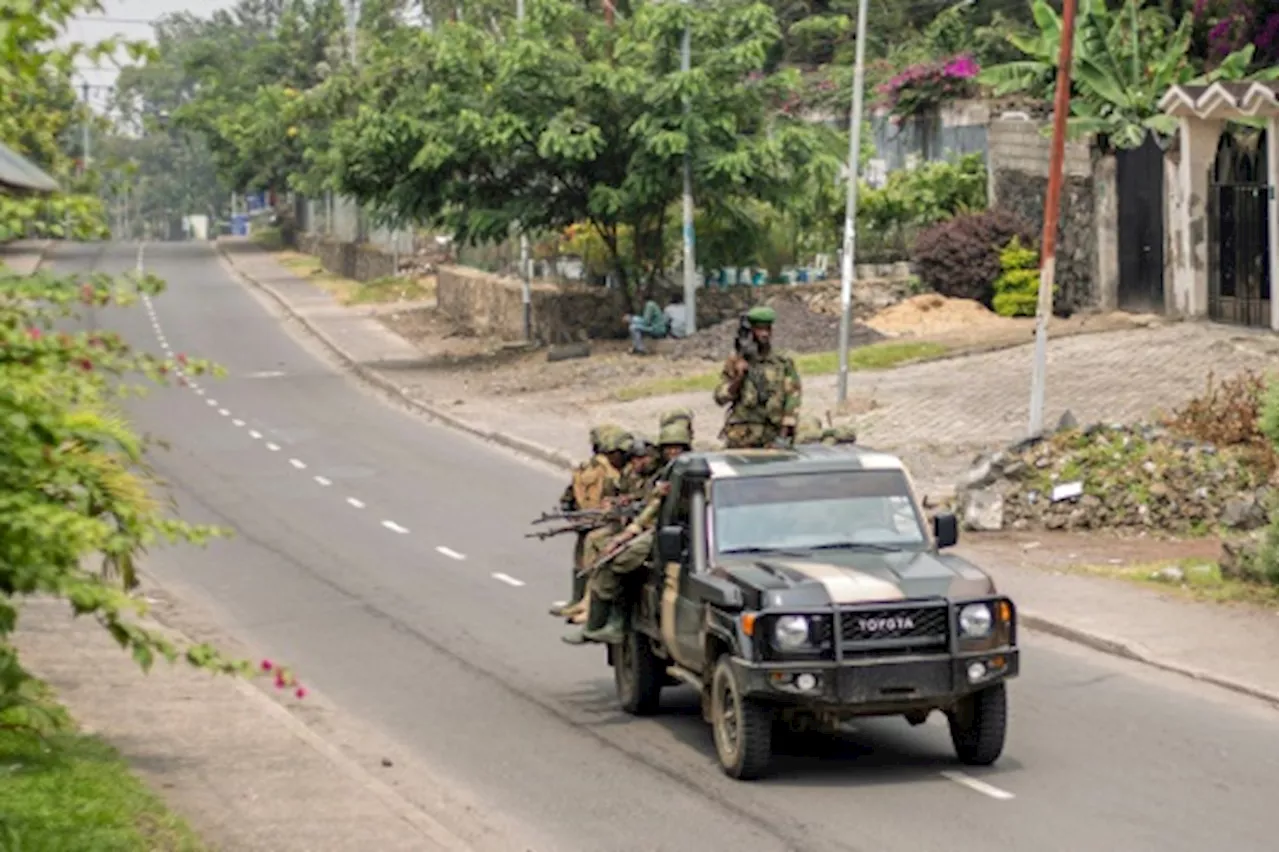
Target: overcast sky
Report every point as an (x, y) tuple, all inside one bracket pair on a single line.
[(126, 18)]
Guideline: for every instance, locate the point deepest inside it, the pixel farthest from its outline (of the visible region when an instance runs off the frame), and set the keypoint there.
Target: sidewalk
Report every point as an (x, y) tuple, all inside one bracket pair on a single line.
[(1234, 647), (24, 256), (244, 770)]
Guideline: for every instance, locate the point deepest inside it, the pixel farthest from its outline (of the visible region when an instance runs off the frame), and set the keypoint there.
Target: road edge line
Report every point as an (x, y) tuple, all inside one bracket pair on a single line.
[(529, 448), (1118, 648), (1032, 621)]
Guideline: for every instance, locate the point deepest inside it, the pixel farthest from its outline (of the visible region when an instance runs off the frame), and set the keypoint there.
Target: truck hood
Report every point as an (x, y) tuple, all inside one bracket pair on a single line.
[(861, 576)]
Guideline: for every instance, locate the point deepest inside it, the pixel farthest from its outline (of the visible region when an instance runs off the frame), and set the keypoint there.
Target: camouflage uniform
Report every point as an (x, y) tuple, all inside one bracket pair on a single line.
[(764, 402), (594, 481), (607, 614), (841, 433), (809, 430)]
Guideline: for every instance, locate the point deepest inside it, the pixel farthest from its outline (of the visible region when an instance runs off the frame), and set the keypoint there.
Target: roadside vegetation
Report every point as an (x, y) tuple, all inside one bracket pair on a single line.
[(79, 504), (386, 290)]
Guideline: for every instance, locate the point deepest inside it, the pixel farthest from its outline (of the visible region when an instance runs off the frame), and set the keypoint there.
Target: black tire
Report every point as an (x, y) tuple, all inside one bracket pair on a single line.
[(638, 674), (978, 726), (742, 728)]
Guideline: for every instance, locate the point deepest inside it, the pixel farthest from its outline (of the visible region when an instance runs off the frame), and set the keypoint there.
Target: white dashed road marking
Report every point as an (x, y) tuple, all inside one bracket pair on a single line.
[(356, 503), (394, 527), (237, 422), (297, 463), (212, 403), (275, 448), (452, 554), (224, 412), (255, 434), (320, 480), (508, 579), (977, 786)]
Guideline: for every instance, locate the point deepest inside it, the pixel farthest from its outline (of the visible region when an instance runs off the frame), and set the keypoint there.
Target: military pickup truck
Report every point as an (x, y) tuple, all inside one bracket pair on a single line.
[(804, 587)]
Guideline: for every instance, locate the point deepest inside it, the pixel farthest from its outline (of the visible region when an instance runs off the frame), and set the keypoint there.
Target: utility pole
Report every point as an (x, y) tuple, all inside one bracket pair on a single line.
[(847, 267), (526, 286), (353, 12), (690, 263), (1049, 236), (84, 132)]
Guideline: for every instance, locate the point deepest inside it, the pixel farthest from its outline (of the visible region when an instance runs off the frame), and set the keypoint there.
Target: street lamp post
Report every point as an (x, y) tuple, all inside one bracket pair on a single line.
[(851, 203)]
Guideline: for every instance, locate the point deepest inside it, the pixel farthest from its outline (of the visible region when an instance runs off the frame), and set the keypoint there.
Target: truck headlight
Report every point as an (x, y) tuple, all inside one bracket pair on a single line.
[(791, 632), (975, 621)]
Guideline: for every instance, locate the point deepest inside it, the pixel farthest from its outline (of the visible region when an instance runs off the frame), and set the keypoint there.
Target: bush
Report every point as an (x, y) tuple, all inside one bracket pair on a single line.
[(961, 257), (269, 237), (1018, 287), (1232, 413), (930, 193)]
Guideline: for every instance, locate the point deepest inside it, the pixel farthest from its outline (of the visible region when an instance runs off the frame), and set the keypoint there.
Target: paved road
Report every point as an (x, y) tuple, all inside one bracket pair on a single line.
[(383, 557)]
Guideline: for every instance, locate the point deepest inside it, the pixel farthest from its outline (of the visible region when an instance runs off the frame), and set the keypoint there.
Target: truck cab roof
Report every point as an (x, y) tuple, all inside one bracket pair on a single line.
[(804, 458)]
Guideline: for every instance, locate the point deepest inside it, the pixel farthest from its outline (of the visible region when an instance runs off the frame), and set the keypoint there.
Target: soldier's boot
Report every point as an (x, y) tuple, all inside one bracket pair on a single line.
[(577, 604), (597, 617), (613, 630)]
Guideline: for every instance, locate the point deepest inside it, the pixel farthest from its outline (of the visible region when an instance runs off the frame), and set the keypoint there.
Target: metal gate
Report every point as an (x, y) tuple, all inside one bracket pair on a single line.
[(1140, 195), (1240, 232)]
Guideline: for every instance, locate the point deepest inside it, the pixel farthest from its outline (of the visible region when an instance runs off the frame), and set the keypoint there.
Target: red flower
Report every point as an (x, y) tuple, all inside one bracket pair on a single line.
[(302, 692), (267, 666), (281, 683), (86, 364)]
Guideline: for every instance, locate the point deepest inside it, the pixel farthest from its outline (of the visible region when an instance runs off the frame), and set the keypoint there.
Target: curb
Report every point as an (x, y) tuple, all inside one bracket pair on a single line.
[(1117, 648), (520, 445), (1104, 644)]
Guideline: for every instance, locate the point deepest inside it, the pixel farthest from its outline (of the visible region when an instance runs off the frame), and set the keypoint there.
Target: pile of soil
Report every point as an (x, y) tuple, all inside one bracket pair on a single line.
[(931, 313), (797, 329)]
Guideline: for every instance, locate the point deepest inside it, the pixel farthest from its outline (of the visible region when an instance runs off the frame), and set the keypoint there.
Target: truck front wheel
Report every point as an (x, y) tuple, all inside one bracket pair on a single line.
[(743, 728), (978, 726), (638, 675)]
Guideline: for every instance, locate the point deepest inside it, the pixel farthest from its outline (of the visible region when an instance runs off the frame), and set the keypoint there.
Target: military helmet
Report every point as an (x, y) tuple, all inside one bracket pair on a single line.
[(841, 433), (676, 427), (600, 434), (676, 415)]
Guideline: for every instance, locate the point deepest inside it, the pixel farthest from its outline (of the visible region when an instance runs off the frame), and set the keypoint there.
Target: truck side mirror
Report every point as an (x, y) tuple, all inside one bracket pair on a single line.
[(946, 529), (670, 543)]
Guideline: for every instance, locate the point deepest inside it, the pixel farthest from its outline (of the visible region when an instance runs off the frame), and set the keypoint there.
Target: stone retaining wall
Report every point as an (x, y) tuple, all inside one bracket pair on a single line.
[(357, 261)]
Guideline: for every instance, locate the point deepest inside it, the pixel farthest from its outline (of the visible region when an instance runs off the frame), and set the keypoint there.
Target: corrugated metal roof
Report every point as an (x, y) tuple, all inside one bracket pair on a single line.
[(18, 172)]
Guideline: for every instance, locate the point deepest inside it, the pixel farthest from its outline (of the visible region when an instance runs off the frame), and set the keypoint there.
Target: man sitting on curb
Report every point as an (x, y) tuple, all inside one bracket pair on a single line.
[(651, 323)]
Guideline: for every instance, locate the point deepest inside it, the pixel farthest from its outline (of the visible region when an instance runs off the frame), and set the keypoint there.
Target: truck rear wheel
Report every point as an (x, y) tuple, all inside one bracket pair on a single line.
[(638, 675), (743, 728), (978, 726)]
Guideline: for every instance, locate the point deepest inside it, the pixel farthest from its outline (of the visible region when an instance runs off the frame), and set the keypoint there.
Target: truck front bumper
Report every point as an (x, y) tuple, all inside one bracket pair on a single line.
[(874, 684)]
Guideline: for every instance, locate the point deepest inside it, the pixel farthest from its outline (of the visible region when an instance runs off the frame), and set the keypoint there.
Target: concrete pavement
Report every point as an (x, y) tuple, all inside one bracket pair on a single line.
[(382, 556), (1234, 648)]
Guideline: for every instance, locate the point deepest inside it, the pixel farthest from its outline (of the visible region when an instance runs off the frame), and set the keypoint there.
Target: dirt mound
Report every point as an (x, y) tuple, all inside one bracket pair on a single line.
[(931, 313), (797, 329)]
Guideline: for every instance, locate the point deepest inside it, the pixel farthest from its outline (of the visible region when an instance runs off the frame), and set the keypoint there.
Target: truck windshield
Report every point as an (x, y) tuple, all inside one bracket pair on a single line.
[(865, 508)]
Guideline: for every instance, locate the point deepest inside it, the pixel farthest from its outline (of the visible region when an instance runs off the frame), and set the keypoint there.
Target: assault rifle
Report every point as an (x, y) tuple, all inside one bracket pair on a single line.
[(582, 520)]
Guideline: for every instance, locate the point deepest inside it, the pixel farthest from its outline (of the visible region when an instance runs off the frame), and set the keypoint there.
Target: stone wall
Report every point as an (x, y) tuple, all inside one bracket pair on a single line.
[(1017, 174), (357, 261), (478, 302)]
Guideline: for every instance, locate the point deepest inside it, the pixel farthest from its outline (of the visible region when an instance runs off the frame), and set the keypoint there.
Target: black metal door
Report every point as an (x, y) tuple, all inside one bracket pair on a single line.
[(1140, 191), (1239, 208)]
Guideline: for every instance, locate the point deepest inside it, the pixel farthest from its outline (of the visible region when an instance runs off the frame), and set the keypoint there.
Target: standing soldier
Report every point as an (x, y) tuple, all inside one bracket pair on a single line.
[(594, 482), (760, 386), (606, 614)]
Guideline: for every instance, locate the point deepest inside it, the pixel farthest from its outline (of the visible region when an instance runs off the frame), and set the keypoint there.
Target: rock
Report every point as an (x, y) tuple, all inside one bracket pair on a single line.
[(980, 475), (1169, 574), (1067, 422), (1243, 513), (984, 510)]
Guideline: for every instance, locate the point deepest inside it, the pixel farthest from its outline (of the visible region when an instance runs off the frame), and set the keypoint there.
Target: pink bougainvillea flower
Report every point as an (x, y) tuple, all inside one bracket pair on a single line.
[(302, 692), (281, 683), (267, 665)]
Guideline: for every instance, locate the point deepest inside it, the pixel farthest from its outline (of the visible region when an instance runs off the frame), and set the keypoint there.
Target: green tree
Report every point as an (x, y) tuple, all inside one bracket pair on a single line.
[(1123, 62), (78, 502), (572, 120)]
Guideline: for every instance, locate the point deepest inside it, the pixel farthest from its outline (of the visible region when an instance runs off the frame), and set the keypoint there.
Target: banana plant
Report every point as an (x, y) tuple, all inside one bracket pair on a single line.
[(1123, 63)]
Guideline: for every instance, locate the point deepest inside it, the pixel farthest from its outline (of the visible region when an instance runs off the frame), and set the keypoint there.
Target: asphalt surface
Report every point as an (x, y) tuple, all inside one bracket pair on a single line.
[(383, 557)]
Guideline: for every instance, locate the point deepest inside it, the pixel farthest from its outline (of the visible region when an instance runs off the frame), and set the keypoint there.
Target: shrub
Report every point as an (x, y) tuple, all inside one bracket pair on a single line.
[(269, 237), (1018, 286), (1231, 413), (961, 257), (923, 196)]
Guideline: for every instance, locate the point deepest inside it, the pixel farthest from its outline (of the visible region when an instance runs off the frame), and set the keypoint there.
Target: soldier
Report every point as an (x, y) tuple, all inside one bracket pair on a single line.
[(760, 386), (606, 613), (594, 482)]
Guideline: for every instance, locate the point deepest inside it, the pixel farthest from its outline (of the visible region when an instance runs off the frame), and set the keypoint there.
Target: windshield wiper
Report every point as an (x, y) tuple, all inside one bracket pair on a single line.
[(739, 551), (857, 545)]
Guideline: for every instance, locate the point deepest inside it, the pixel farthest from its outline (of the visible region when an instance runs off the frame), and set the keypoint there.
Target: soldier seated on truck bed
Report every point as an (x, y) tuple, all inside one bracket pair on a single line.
[(606, 613)]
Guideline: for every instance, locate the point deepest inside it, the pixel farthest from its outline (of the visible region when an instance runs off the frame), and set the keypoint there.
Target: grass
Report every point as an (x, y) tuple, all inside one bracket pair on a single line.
[(70, 793), (379, 291), (874, 356), (1202, 581)]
